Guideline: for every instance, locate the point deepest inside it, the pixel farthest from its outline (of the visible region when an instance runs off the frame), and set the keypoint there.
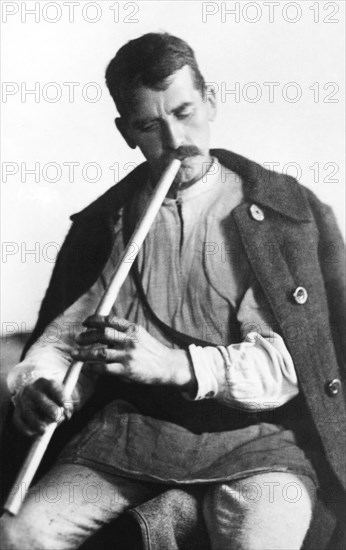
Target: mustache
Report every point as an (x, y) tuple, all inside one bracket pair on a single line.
[(181, 153), (185, 151)]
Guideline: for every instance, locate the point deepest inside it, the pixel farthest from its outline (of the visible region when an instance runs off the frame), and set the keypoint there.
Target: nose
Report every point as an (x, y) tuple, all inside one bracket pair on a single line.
[(173, 135)]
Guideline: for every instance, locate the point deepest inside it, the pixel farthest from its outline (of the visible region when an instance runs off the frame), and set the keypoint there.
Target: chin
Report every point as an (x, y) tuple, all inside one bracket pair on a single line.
[(187, 175)]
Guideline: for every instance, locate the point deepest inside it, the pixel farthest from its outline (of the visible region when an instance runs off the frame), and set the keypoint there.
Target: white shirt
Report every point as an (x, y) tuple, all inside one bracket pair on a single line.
[(197, 280)]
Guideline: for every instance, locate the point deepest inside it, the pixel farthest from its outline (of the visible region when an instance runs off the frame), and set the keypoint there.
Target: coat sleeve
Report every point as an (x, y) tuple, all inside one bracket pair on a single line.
[(50, 355), (85, 251), (79, 262)]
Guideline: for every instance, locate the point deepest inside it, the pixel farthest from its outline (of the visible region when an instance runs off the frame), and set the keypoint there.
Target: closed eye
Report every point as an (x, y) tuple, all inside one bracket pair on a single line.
[(151, 126), (185, 113)]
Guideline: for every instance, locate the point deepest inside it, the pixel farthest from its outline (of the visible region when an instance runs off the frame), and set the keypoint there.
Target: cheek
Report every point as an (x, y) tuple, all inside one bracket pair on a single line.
[(150, 146), (199, 129)]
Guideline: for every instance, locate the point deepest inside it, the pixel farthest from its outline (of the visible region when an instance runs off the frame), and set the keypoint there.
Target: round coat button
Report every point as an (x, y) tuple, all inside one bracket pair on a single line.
[(256, 213), (333, 387), (300, 295)]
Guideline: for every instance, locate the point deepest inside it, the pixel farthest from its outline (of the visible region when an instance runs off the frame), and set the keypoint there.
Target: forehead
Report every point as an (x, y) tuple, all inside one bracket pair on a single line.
[(147, 102)]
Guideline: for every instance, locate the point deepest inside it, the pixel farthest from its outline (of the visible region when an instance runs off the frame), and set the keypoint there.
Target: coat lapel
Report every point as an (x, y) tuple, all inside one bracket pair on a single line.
[(280, 193), (304, 327)]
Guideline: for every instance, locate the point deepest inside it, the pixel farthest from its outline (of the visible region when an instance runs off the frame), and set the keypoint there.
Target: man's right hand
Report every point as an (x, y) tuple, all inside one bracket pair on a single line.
[(39, 404)]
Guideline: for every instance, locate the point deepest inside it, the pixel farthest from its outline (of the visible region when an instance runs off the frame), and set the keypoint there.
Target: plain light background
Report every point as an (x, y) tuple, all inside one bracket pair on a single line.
[(304, 137)]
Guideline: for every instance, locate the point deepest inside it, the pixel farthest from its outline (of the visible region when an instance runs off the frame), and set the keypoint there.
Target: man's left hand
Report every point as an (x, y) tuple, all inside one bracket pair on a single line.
[(117, 347)]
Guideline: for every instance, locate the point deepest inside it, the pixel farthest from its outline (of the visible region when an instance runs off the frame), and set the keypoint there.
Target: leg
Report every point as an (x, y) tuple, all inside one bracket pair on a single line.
[(67, 506), (270, 511)]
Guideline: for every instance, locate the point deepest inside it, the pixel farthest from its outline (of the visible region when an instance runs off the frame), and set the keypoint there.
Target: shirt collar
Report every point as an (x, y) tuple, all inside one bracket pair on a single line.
[(278, 192), (202, 188)]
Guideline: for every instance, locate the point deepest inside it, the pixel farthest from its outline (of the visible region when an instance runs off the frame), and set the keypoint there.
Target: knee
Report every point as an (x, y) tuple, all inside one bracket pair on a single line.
[(9, 539), (250, 514), (15, 536)]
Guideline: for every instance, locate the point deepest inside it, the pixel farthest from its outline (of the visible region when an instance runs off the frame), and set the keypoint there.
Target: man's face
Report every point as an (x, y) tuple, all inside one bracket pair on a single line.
[(162, 120)]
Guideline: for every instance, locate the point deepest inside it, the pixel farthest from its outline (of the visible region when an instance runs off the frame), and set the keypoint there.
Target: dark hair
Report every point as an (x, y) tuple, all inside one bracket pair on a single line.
[(148, 61)]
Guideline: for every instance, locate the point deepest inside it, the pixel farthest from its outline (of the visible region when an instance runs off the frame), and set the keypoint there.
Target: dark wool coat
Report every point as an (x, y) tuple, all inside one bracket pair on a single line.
[(297, 244)]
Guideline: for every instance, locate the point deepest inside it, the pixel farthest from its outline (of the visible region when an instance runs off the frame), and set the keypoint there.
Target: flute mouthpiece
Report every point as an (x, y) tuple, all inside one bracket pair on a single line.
[(185, 151)]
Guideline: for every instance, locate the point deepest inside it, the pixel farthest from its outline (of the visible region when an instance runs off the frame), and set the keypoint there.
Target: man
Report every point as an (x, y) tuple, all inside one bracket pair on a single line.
[(227, 332)]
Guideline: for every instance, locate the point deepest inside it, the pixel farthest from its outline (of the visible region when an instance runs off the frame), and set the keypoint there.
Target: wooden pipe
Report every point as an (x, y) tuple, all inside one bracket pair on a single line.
[(39, 446)]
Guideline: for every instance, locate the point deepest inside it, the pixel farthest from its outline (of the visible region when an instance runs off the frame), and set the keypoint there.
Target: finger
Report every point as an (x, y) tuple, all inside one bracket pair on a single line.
[(101, 321), (31, 421), (101, 355), (48, 411), (120, 324), (92, 336), (68, 410), (89, 354), (46, 408), (22, 426), (37, 410), (51, 389), (54, 406), (114, 369), (96, 321), (107, 335), (130, 331)]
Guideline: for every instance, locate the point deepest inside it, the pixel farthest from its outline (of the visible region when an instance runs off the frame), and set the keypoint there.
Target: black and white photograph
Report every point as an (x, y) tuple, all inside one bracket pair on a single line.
[(173, 312)]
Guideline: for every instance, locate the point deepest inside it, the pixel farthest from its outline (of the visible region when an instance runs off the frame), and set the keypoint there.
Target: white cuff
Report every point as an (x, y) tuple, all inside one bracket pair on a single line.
[(207, 383), (256, 371)]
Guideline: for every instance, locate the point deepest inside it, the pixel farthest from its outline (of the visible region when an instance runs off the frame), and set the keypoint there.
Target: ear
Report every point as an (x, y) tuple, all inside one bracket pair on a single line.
[(209, 97), (122, 127)]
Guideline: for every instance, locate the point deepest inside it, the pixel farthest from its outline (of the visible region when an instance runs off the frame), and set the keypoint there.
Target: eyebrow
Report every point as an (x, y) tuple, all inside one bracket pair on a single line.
[(138, 124)]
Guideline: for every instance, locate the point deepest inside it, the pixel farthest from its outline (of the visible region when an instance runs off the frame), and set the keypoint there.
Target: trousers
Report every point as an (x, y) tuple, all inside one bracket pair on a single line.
[(270, 511)]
